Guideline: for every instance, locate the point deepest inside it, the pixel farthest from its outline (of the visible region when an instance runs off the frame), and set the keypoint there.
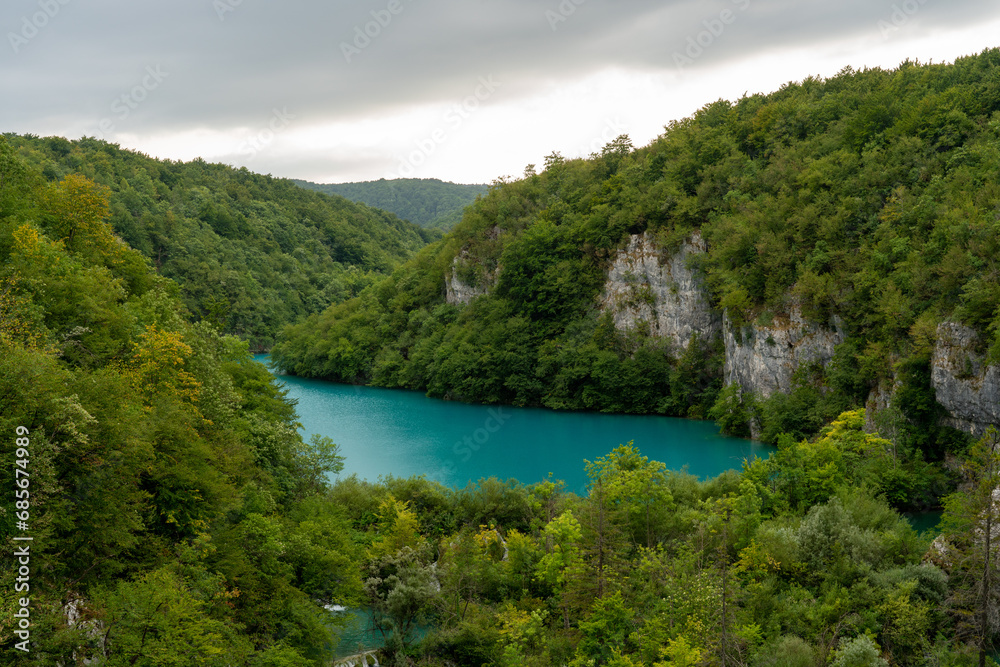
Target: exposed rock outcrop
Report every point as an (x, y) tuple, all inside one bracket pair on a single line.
[(73, 612), (668, 295), (967, 387), (762, 359), (458, 292), (880, 417), (941, 553)]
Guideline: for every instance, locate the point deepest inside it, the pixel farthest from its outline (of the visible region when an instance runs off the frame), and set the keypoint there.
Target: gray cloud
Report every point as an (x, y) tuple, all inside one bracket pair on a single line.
[(228, 63)]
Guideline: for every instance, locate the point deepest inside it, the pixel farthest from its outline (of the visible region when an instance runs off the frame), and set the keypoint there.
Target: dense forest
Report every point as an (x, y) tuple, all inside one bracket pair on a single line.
[(869, 199), (251, 253), (427, 202), (176, 516)]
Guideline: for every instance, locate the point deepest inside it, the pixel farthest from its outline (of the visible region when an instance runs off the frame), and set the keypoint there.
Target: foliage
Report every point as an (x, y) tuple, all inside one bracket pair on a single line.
[(251, 253), (843, 453), (174, 507), (427, 202), (858, 652), (832, 574), (970, 532)]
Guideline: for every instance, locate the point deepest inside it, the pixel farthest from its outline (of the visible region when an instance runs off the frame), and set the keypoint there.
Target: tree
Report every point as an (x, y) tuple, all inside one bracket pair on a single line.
[(858, 652), (400, 590), (76, 210), (562, 562), (635, 488), (606, 631), (156, 619), (971, 530), (679, 653)]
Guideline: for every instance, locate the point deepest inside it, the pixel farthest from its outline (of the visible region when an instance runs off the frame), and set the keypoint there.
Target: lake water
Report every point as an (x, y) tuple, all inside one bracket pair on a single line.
[(404, 433)]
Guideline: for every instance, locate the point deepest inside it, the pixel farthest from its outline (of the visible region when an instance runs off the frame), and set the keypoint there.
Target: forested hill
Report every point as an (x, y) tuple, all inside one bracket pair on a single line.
[(851, 217), (251, 253), (428, 202), (158, 470)]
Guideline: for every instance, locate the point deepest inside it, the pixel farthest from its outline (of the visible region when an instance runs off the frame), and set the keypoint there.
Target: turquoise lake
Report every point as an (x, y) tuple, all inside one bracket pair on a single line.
[(402, 433)]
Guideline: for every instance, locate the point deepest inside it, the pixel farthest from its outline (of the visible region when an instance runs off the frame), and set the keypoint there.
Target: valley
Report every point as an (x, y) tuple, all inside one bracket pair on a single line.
[(727, 398)]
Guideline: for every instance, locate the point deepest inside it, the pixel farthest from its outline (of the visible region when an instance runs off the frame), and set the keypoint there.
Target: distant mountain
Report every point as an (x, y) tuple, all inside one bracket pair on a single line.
[(427, 202)]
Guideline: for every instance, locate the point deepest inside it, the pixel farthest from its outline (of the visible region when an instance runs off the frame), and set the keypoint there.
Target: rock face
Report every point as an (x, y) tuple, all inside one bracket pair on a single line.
[(763, 359), (964, 384), (879, 400), (668, 295), (458, 292)]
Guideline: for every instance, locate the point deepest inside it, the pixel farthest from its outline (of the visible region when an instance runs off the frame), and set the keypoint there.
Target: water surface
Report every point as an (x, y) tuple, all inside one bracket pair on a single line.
[(403, 433)]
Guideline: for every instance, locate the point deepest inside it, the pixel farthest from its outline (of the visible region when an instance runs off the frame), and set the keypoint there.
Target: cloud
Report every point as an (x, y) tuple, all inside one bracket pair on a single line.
[(229, 64)]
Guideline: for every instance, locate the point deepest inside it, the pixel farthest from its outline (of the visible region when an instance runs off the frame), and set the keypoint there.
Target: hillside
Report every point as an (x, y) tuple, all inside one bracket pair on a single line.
[(157, 467), (768, 263), (251, 253), (427, 202)]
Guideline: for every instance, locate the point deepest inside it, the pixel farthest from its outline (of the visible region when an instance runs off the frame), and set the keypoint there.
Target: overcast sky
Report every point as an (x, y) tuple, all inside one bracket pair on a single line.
[(463, 91)]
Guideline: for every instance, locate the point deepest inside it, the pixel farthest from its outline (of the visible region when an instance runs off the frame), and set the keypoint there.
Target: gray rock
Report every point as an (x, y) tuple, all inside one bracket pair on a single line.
[(762, 359), (457, 292), (668, 295), (881, 416), (967, 387)]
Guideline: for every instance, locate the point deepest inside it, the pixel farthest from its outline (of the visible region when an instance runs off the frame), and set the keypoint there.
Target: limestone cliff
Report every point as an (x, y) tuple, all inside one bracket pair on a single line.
[(484, 270), (762, 359), (647, 287), (967, 387), (879, 400), (665, 292), (458, 292)]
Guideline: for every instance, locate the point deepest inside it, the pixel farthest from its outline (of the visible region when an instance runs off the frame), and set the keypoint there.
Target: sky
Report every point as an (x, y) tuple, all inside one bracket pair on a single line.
[(467, 92)]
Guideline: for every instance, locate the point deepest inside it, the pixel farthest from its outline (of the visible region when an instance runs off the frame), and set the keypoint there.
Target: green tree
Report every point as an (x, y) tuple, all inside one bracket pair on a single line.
[(157, 620), (401, 591), (606, 631), (970, 530), (861, 651), (636, 490)]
